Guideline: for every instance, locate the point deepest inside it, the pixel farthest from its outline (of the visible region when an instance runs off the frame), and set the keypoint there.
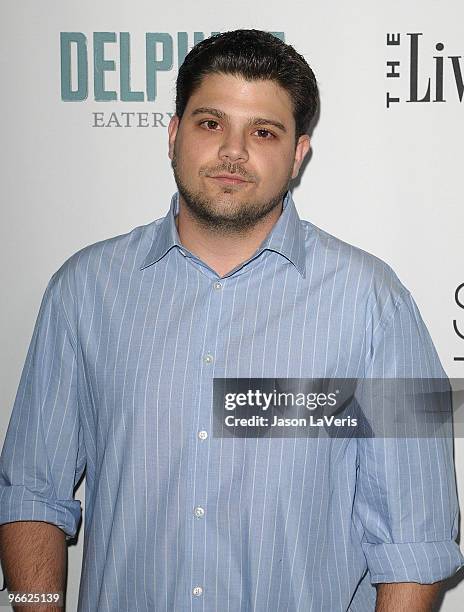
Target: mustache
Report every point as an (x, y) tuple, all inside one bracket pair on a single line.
[(229, 168)]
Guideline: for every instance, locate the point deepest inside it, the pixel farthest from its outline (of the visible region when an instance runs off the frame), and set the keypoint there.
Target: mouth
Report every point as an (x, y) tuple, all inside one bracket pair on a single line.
[(229, 179)]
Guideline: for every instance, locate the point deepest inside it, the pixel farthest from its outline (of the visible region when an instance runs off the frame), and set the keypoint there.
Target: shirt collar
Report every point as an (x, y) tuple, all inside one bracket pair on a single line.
[(286, 237), (166, 236)]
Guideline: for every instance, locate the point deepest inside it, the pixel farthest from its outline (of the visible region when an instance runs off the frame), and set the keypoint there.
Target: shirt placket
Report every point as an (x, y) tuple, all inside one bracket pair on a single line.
[(201, 438)]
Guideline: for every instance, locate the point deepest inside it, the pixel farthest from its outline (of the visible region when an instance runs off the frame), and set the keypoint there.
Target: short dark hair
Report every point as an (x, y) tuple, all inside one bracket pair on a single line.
[(253, 55)]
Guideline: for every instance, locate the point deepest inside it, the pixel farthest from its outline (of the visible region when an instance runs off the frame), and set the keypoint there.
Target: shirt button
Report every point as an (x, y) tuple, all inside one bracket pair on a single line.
[(202, 434), (199, 512), (197, 591), (208, 358), (217, 285)]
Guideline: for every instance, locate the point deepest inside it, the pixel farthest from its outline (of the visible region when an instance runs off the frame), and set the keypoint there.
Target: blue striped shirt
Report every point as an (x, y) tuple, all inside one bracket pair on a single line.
[(118, 382)]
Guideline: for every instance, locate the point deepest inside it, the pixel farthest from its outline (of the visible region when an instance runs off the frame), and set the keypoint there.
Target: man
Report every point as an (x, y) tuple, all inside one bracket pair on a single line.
[(118, 381)]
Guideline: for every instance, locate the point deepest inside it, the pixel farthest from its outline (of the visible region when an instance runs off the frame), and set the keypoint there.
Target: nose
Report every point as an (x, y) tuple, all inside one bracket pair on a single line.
[(233, 148)]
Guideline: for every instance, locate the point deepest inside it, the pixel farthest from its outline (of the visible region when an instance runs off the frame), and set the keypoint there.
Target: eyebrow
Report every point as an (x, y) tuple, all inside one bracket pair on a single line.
[(207, 110)]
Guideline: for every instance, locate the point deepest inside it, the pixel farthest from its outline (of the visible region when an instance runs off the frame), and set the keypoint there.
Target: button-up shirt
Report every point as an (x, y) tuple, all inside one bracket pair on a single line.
[(118, 382)]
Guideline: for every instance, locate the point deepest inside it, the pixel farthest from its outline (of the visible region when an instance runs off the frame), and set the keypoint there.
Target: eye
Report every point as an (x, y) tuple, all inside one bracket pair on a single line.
[(265, 134), (210, 124)]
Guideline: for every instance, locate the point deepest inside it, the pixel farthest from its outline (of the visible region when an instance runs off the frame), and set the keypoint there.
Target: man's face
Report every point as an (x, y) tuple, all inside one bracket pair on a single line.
[(233, 152)]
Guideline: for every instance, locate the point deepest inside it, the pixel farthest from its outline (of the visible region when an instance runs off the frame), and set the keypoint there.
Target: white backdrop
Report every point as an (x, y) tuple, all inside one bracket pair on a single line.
[(388, 180)]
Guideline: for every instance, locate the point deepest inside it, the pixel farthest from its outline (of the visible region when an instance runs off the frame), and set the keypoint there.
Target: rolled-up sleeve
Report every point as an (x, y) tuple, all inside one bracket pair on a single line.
[(406, 499), (43, 455)]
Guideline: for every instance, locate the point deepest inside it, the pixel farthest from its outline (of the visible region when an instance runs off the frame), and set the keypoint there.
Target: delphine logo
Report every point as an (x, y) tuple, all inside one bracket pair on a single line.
[(88, 62)]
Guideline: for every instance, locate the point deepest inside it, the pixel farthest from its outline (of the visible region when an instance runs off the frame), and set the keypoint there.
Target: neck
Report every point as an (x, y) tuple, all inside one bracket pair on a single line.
[(222, 252)]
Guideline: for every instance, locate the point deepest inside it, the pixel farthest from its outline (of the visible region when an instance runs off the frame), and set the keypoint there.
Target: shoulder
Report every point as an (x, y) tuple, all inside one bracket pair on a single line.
[(365, 279), (116, 256)]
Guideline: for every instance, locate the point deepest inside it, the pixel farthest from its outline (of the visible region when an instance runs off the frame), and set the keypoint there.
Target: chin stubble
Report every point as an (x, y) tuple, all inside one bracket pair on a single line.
[(240, 220)]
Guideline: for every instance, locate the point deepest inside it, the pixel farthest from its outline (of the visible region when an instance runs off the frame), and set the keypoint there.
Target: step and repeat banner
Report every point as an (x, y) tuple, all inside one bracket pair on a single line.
[(87, 94)]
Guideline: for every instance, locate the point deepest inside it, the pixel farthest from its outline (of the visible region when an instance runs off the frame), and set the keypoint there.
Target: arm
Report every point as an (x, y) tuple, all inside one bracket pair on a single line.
[(406, 506), (34, 559), (43, 455), (407, 597)]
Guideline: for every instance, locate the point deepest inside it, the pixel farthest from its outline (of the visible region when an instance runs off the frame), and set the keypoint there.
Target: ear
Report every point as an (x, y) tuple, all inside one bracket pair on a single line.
[(301, 150), (172, 131)]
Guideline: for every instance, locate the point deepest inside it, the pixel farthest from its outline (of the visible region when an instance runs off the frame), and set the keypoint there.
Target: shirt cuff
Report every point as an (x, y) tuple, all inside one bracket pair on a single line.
[(18, 503), (423, 562)]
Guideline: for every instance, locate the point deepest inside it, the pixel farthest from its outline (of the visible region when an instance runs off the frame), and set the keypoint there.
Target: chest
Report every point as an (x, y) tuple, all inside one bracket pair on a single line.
[(153, 342)]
